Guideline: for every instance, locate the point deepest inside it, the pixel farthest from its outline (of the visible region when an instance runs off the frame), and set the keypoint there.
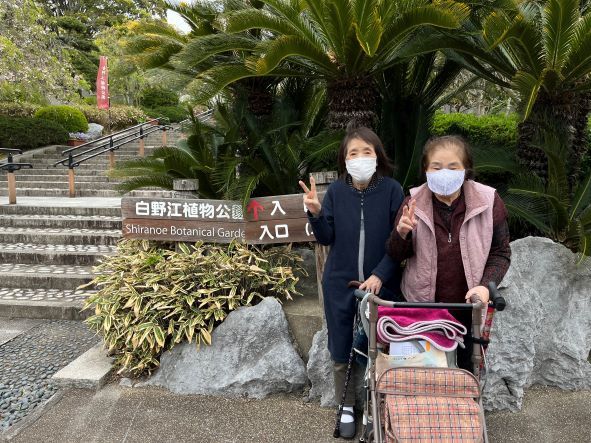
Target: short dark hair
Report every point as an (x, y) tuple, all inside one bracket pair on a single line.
[(445, 141), (384, 165)]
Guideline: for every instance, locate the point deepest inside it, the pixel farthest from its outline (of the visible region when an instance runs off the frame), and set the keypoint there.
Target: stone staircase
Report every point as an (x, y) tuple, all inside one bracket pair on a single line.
[(50, 242)]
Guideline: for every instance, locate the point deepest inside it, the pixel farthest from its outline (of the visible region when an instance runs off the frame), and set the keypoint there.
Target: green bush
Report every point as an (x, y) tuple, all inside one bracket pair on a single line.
[(156, 96), (174, 114), (485, 130), (15, 109), (149, 298), (90, 100), (121, 116), (69, 117), (29, 133)]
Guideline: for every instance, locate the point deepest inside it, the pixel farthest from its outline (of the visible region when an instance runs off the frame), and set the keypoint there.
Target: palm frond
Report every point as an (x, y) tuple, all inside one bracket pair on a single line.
[(202, 48), (579, 60), (533, 211), (214, 80), (153, 180), (559, 22), (284, 46), (582, 199), (528, 87), (368, 25)]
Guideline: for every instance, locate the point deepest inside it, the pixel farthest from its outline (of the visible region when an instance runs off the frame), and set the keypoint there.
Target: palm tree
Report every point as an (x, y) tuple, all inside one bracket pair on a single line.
[(560, 211), (548, 49), (346, 44), (237, 154)]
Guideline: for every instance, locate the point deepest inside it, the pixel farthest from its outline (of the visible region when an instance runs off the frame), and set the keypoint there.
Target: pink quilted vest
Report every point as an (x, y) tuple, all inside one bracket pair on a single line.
[(420, 274)]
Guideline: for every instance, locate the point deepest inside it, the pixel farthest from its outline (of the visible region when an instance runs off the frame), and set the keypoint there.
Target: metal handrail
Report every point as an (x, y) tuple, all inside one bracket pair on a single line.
[(105, 137), (109, 142)]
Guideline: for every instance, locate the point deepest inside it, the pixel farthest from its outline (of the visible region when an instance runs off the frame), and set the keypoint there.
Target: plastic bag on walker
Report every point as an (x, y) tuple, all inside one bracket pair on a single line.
[(411, 353)]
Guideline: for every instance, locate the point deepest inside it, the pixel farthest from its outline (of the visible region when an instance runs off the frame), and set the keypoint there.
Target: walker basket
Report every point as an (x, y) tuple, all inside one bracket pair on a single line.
[(423, 405)]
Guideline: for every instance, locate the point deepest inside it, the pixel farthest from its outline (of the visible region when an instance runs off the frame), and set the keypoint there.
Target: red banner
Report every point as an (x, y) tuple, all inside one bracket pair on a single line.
[(102, 84)]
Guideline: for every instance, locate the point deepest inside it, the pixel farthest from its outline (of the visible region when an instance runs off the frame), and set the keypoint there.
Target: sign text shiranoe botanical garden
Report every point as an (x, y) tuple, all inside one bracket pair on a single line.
[(277, 219)]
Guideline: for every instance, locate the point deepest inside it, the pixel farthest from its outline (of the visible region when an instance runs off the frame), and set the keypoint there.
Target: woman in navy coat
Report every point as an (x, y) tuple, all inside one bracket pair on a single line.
[(355, 219)]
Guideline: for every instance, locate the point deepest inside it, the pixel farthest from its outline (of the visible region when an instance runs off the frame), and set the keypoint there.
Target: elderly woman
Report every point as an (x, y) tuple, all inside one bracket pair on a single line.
[(452, 232), (355, 219)]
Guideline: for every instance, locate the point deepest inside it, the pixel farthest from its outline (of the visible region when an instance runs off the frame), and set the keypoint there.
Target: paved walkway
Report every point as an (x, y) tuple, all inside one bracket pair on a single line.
[(146, 415), (30, 353)]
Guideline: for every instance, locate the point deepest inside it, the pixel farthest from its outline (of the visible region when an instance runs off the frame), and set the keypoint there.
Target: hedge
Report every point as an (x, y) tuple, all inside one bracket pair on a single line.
[(14, 109), (29, 133), (486, 130), (121, 116), (69, 117), (174, 114), (156, 96)]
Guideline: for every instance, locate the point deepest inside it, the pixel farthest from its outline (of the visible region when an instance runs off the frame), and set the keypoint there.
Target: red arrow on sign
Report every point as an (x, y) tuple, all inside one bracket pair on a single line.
[(254, 207)]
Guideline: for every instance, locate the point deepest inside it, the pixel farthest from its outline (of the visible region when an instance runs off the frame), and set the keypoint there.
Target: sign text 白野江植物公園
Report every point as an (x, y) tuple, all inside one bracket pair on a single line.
[(276, 219)]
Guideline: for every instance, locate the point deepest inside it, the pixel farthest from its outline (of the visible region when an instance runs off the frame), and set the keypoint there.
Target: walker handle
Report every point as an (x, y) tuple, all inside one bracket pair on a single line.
[(359, 294), (498, 300)]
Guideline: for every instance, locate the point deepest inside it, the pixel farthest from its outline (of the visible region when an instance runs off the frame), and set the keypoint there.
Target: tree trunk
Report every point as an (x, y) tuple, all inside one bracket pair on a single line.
[(352, 99), (565, 112)]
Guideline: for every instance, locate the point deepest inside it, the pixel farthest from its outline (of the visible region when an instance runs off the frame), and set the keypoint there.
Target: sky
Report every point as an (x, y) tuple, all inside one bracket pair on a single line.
[(174, 19)]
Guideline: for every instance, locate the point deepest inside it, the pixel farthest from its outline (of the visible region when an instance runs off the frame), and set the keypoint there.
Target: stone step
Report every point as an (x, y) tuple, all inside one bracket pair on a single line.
[(53, 304), (71, 221), (59, 170), (59, 236), (28, 253), (60, 177), (80, 211), (64, 184), (56, 277), (40, 192)]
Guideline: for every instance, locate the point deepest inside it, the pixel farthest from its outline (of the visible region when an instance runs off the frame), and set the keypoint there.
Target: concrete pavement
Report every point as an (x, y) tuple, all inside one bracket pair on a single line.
[(145, 415)]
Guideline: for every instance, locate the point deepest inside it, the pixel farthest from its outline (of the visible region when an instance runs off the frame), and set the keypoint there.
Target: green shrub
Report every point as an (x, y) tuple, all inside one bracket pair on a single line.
[(486, 130), (150, 299), (156, 96), (29, 133), (69, 117), (90, 100), (15, 109), (174, 114), (121, 116)]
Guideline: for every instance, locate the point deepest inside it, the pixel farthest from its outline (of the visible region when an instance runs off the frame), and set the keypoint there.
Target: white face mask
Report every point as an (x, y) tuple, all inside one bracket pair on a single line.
[(445, 181), (362, 169)]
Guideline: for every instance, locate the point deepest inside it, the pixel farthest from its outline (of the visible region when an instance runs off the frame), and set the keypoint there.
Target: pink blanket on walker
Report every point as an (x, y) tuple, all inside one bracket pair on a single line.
[(437, 326)]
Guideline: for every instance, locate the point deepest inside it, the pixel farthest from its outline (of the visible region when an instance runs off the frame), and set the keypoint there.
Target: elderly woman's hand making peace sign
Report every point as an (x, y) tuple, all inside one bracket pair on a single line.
[(311, 197)]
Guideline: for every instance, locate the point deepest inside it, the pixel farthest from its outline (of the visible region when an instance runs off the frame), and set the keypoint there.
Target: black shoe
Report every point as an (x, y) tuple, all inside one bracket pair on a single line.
[(347, 429)]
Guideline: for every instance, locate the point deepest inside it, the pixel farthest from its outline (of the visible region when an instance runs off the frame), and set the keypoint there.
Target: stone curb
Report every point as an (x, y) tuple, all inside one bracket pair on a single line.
[(88, 371)]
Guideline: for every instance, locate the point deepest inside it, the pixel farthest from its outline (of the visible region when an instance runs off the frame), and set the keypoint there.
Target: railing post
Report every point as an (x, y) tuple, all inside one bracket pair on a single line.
[(11, 188), (322, 179), (111, 154), (142, 142), (164, 136), (71, 176), (11, 183)]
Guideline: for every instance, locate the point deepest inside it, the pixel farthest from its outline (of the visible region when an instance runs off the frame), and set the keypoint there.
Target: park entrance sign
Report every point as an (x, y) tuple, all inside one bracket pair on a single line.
[(265, 220)]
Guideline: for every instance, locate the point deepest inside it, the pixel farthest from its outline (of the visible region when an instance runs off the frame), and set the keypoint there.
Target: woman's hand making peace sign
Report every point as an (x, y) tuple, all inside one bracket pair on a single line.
[(311, 197), (407, 221)]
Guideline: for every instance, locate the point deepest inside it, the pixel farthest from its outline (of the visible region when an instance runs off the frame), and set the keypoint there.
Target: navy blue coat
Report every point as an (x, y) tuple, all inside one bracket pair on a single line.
[(338, 225)]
